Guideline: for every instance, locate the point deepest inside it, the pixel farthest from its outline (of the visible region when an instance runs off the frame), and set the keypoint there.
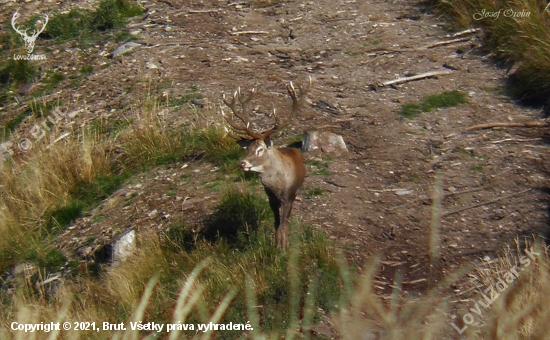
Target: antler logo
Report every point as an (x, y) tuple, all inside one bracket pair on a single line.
[(29, 39)]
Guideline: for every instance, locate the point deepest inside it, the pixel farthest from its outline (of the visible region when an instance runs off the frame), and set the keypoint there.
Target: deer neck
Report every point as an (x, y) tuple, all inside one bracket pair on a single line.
[(273, 176)]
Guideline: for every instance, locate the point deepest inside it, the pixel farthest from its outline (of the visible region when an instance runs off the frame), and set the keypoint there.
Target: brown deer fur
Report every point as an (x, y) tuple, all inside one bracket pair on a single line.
[(282, 173), (281, 170)]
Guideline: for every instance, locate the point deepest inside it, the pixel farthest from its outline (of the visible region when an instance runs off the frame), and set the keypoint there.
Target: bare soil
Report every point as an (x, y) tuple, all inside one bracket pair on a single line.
[(378, 197)]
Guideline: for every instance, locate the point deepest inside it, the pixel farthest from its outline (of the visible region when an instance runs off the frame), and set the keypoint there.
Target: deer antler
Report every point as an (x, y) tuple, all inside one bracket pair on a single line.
[(296, 96), (243, 115), (16, 15), (297, 99)]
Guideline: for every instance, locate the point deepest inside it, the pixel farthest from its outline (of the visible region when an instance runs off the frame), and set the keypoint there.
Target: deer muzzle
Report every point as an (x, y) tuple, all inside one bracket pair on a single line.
[(246, 166)]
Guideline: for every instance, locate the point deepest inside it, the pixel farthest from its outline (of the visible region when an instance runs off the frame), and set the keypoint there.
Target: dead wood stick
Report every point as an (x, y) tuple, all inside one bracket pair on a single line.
[(447, 42), (516, 140), (485, 203), (542, 123), (248, 32), (423, 198), (203, 11), (415, 77), (464, 191), (468, 31), (414, 281)]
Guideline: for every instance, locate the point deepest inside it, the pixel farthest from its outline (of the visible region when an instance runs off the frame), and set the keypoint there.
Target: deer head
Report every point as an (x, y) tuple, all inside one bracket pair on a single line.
[(29, 39)]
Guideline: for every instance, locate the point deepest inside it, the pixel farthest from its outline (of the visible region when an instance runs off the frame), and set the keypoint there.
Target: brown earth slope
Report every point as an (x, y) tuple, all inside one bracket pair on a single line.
[(377, 198)]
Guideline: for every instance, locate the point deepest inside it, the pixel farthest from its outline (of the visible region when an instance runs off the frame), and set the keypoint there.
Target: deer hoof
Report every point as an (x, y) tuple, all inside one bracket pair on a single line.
[(282, 239)]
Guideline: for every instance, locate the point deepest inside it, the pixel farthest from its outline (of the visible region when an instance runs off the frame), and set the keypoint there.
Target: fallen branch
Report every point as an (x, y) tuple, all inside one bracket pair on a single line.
[(542, 123), (464, 191), (194, 11), (248, 32), (414, 281), (485, 203), (424, 198), (447, 42), (468, 31), (415, 77), (516, 140)]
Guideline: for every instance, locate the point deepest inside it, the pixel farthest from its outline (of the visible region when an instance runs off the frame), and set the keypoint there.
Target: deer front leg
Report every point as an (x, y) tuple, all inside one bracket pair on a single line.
[(275, 205), (283, 233)]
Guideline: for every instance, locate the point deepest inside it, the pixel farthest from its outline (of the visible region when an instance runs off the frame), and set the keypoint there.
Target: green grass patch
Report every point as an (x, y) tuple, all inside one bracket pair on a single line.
[(238, 216), (54, 78), (41, 108), (312, 193), (320, 167), (372, 44), (18, 71), (35, 108), (114, 14), (12, 124), (430, 103), (72, 25), (53, 260), (193, 94), (86, 70), (62, 217), (477, 169), (442, 101), (87, 198), (50, 260), (352, 53), (220, 149), (124, 36), (102, 188), (249, 262), (112, 129), (411, 110), (84, 24)]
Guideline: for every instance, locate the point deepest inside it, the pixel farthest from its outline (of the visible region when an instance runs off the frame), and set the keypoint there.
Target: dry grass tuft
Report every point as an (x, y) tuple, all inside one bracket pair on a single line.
[(521, 310)]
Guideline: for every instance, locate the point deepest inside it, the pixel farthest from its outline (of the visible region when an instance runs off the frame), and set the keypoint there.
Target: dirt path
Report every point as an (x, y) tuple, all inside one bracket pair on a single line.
[(378, 198)]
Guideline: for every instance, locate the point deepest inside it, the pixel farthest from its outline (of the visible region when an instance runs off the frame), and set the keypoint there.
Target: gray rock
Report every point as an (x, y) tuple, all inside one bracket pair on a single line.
[(125, 48), (324, 140), (124, 246)]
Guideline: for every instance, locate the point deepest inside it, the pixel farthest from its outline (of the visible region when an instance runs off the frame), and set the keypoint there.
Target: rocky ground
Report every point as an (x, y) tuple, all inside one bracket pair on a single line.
[(377, 198)]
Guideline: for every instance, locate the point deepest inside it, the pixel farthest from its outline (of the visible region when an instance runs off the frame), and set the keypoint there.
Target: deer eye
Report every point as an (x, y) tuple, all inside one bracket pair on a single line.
[(259, 151)]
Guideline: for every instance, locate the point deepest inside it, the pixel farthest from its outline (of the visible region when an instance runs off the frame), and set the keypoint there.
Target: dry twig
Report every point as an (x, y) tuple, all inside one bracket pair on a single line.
[(485, 203), (542, 123), (248, 32), (196, 11), (415, 77), (447, 42), (468, 31)]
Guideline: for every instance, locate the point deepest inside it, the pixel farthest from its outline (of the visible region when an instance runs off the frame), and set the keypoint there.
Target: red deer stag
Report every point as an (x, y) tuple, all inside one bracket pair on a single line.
[(281, 170)]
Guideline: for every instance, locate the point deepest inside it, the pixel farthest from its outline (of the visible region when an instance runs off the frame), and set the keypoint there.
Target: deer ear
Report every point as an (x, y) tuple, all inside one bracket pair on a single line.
[(267, 142), (245, 143)]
